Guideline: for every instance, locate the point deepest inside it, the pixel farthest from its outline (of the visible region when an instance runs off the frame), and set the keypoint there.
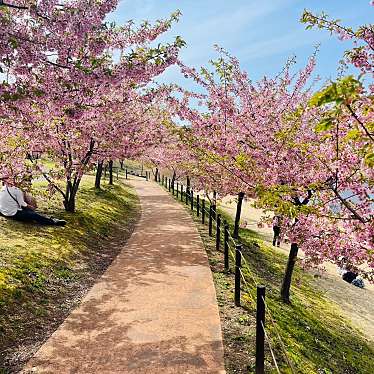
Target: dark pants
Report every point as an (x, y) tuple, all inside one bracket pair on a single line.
[(276, 238), (28, 215), (349, 276)]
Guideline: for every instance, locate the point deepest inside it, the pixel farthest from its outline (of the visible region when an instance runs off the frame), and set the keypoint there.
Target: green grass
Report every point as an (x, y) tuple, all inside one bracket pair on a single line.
[(39, 265), (316, 337)]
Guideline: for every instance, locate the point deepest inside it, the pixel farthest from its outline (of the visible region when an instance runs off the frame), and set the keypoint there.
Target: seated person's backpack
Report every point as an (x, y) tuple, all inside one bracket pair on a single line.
[(358, 282)]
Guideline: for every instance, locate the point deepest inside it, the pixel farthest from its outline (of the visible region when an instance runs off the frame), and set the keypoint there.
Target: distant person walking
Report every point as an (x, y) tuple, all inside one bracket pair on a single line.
[(276, 230), (17, 205)]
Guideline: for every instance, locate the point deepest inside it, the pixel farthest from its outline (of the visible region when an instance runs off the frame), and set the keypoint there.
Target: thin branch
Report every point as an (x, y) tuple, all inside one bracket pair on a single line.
[(348, 206), (49, 180), (58, 65), (360, 122), (20, 7)]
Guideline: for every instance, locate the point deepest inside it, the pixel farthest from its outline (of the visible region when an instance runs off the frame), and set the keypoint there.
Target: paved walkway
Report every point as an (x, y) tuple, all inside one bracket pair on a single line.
[(153, 311)]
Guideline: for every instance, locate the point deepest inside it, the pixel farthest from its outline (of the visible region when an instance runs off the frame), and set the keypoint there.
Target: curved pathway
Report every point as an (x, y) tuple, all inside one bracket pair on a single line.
[(153, 311)]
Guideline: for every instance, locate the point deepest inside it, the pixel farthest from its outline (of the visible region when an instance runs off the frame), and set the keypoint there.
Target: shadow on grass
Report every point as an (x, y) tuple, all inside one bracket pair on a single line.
[(45, 269)]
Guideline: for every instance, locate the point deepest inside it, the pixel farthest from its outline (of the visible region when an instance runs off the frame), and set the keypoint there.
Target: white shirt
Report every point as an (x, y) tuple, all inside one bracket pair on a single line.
[(8, 205), (341, 270)]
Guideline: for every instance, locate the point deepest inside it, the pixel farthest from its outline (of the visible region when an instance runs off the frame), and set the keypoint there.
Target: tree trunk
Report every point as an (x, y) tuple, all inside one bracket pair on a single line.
[(121, 163), (70, 204), (71, 193), (238, 214), (286, 285), (215, 205), (72, 187), (188, 188), (173, 179), (188, 184), (111, 172), (156, 175), (99, 173)]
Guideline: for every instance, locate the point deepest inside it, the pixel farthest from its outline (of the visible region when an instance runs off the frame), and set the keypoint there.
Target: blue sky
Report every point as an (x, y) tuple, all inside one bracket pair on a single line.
[(262, 34)]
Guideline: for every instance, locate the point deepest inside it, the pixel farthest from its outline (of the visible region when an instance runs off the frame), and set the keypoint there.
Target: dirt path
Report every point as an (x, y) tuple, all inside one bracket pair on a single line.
[(356, 304), (153, 311)]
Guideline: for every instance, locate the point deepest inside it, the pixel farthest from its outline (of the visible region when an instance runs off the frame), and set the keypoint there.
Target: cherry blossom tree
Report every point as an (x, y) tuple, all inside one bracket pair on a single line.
[(62, 97), (265, 138)]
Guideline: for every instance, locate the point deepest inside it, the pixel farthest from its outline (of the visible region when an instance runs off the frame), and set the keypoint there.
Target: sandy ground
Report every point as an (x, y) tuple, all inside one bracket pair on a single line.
[(356, 304), (153, 311)]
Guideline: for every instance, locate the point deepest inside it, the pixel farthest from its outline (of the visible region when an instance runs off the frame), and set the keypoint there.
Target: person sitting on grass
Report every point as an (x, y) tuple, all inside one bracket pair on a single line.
[(17, 205), (348, 274)]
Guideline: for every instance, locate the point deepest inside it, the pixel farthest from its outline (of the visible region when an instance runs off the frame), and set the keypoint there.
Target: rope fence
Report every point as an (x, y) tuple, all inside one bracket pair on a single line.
[(207, 212)]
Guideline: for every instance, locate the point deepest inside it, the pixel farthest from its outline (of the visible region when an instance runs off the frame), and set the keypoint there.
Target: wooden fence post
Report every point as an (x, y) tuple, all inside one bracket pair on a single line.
[(191, 199), (181, 192), (226, 246), (238, 265), (177, 190), (203, 212), (210, 220), (197, 205), (218, 232), (126, 173), (260, 330)]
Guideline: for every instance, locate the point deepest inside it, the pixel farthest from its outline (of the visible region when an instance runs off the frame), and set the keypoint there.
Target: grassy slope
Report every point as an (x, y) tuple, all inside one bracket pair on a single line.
[(316, 337), (43, 268)]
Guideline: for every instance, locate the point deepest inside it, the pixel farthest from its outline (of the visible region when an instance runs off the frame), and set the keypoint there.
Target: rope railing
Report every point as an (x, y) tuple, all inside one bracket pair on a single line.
[(262, 324), (234, 250), (269, 313), (271, 349), (289, 362), (232, 239), (247, 286), (250, 272)]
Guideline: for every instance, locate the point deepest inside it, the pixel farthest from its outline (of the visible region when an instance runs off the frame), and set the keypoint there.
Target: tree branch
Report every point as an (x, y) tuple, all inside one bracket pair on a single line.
[(360, 122), (49, 180), (348, 206), (20, 7)]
